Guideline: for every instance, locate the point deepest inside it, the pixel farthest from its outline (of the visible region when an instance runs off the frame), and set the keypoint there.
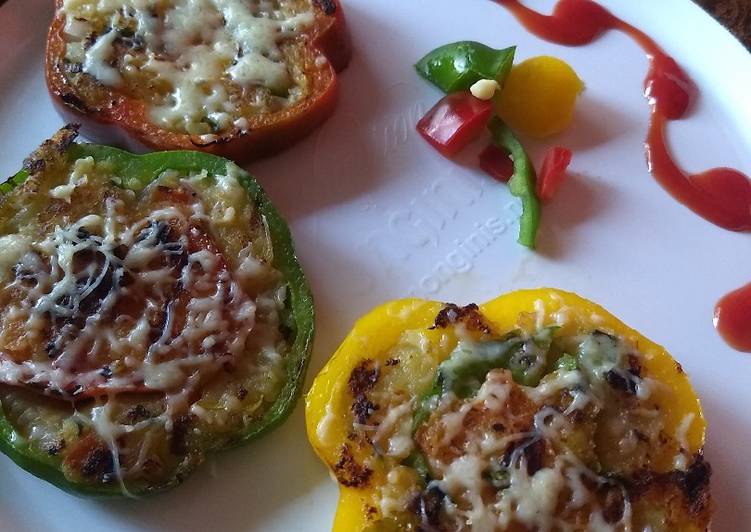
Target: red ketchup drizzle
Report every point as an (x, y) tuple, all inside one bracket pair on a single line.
[(731, 317), (719, 195)]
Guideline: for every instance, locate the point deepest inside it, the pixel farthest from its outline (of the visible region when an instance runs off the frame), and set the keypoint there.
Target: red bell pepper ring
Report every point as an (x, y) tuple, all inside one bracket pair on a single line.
[(496, 162), (454, 122), (553, 172)]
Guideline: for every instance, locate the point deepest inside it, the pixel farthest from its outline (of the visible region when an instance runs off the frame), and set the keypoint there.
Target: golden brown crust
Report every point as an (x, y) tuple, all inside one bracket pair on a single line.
[(348, 472), (683, 496), (681, 499), (124, 120), (469, 316), (51, 149), (516, 417)]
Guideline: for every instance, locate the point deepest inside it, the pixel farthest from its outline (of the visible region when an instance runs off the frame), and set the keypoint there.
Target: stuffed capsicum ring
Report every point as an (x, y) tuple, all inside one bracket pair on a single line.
[(235, 78), (152, 311), (536, 411)]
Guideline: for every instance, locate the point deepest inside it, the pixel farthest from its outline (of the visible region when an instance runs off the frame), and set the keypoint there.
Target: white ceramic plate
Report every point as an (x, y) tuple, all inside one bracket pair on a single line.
[(377, 214)]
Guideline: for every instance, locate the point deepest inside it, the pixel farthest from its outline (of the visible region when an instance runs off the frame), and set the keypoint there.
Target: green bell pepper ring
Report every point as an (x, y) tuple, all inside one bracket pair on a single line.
[(297, 317), (522, 183), (457, 66)]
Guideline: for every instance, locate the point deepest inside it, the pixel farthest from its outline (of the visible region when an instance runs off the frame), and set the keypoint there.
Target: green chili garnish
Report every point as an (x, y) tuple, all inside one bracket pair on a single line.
[(464, 371), (522, 183), (457, 66)]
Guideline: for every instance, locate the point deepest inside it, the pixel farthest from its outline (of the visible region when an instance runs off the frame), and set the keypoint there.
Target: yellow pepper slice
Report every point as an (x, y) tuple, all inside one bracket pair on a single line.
[(374, 337)]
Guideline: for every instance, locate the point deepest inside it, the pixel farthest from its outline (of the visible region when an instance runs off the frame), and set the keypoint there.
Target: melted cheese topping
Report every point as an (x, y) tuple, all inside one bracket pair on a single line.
[(200, 56), (137, 297), (12, 248), (217, 313), (510, 456), (79, 176)]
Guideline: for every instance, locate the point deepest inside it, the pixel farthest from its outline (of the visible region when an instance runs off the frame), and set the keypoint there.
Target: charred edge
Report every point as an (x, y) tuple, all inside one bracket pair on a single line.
[(634, 366), (371, 512), (34, 166), (178, 442), (348, 472), (695, 483), (426, 505), (533, 450), (613, 502), (621, 383), (137, 413), (74, 102), (363, 408), (51, 149), (469, 316), (327, 6), (363, 378), (534, 455), (99, 462)]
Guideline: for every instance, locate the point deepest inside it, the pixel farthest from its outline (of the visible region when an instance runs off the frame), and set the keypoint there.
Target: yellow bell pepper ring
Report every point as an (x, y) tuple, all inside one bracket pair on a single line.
[(536, 410)]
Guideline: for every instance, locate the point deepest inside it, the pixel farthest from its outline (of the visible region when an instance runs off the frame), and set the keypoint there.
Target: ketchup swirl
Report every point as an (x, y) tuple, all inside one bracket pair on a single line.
[(732, 317), (721, 196)]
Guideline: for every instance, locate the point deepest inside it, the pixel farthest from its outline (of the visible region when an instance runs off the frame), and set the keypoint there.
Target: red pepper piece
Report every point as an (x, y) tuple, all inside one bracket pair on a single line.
[(454, 122), (553, 172), (496, 162)]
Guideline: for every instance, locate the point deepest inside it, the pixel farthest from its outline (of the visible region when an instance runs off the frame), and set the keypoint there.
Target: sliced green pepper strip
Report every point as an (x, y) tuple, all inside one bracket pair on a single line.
[(457, 66), (136, 172), (530, 364), (464, 372), (466, 369), (522, 183)]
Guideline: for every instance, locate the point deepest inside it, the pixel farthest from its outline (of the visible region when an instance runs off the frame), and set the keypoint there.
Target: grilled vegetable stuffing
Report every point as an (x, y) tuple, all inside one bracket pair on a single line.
[(151, 311), (536, 411), (231, 77)]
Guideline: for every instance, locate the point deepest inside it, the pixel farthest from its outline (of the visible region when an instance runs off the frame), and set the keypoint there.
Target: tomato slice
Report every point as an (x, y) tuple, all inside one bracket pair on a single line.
[(553, 172), (454, 122), (496, 162)]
